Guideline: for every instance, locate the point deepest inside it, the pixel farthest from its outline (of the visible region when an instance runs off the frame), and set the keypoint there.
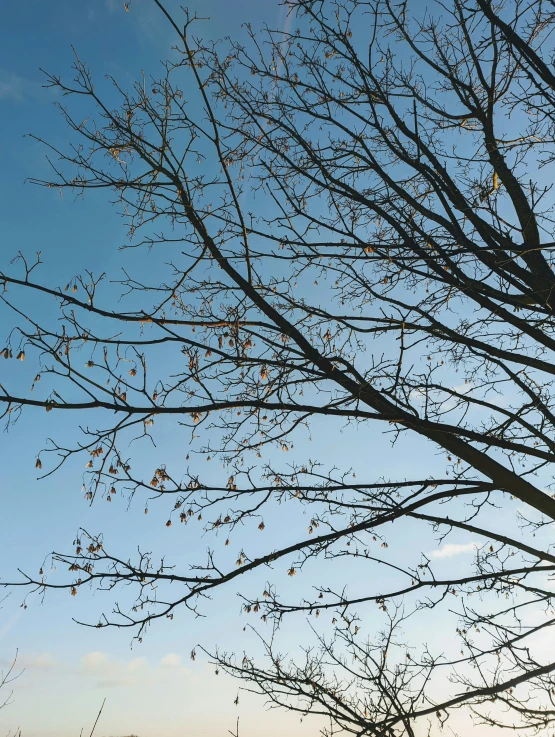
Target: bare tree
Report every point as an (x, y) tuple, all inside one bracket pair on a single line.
[(359, 218), (6, 677)]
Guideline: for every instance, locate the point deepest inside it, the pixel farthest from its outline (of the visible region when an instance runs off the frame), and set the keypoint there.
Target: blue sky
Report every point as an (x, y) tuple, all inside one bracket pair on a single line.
[(69, 670), (153, 690)]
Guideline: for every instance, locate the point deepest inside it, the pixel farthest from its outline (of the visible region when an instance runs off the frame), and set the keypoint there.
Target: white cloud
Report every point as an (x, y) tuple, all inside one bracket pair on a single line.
[(171, 660), (137, 664), (11, 86), (93, 661), (19, 89), (451, 549), (465, 388)]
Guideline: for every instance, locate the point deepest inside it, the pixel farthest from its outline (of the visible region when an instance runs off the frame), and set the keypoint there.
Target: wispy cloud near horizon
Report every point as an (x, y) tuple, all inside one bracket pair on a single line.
[(111, 673)]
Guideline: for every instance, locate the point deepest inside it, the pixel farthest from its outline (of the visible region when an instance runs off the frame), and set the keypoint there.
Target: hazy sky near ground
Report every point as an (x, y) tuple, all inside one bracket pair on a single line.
[(154, 689)]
